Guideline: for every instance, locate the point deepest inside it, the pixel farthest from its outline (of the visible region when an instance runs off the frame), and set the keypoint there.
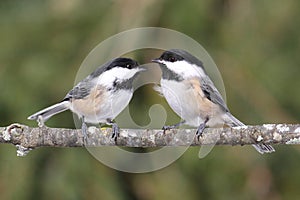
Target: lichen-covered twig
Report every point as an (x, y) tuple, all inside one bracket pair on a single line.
[(26, 138)]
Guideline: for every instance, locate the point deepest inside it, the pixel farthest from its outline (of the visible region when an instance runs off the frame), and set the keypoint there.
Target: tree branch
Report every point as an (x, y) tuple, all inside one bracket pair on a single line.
[(26, 138)]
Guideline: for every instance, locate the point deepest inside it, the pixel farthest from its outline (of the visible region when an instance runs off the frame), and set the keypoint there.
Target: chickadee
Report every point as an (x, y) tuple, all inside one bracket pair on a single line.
[(100, 97), (192, 95)]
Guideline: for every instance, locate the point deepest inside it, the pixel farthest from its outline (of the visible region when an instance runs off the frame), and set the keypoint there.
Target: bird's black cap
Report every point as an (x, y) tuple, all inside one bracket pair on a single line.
[(174, 55), (117, 62)]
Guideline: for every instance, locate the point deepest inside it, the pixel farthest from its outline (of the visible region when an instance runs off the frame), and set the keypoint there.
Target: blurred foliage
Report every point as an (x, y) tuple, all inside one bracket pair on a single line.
[(255, 44)]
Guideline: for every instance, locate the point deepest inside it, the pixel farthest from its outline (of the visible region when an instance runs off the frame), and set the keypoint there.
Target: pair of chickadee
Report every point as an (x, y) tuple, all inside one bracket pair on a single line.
[(100, 97)]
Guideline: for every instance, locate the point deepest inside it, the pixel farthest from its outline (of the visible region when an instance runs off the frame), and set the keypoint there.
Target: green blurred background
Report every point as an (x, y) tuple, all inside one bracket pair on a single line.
[(255, 44)]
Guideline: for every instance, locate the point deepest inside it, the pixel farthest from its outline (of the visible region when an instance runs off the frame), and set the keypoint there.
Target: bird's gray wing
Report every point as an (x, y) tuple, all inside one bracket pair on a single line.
[(81, 90), (211, 92)]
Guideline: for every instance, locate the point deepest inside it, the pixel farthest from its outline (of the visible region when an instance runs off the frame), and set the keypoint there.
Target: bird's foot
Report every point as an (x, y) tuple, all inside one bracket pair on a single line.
[(165, 128), (84, 133), (115, 129), (201, 128), (115, 132), (200, 131)]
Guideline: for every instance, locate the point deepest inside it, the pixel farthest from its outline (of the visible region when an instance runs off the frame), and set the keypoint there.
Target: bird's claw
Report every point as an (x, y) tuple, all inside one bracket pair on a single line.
[(200, 130), (165, 128), (115, 132), (84, 132)]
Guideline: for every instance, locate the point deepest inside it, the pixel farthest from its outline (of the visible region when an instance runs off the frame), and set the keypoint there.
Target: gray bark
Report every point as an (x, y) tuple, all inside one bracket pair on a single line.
[(26, 138)]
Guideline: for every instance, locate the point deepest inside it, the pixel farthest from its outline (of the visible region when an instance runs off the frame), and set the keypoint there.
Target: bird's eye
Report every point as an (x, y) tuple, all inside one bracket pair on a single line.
[(129, 66), (172, 59)]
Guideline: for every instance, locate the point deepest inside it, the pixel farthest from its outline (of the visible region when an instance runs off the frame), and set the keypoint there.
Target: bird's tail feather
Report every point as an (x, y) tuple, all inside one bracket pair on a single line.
[(46, 113), (261, 148)]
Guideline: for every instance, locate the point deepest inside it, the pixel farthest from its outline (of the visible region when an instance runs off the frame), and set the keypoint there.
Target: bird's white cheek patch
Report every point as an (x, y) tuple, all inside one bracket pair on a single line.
[(120, 73), (185, 69), (107, 78)]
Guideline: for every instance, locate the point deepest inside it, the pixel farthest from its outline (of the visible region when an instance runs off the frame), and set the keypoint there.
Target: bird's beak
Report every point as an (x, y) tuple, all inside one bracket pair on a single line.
[(156, 60)]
